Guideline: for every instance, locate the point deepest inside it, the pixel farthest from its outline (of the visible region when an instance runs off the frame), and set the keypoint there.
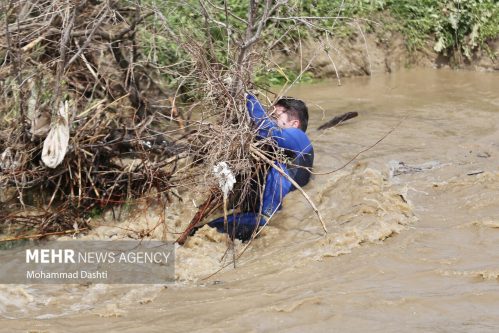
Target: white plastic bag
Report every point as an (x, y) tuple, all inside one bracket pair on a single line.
[(226, 179), (56, 143)]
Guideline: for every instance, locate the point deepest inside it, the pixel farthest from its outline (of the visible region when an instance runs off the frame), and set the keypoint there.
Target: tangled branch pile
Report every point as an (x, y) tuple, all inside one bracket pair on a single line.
[(84, 122)]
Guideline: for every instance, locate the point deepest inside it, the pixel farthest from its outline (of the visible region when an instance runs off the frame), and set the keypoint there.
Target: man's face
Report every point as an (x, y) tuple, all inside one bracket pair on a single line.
[(282, 118)]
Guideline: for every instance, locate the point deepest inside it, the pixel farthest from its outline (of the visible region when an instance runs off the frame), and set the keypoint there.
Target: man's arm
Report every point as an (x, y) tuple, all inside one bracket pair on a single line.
[(259, 116)]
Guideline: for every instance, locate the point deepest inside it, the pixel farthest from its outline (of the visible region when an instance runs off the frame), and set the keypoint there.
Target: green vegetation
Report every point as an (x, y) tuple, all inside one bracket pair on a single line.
[(456, 26)]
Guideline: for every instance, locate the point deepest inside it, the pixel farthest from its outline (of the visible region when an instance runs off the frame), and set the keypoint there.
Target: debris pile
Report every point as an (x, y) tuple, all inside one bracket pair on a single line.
[(84, 121)]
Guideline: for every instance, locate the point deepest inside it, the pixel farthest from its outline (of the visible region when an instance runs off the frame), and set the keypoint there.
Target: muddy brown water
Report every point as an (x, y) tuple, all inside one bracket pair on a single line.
[(414, 230)]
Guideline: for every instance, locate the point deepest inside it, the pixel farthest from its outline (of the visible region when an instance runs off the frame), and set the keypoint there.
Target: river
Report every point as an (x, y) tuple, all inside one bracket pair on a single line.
[(413, 243)]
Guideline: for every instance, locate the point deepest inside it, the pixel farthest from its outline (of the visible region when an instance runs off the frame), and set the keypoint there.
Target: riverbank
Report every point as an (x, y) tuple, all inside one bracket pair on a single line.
[(371, 53)]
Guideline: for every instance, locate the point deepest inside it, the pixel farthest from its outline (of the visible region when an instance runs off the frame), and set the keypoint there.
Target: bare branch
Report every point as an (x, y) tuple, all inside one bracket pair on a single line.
[(89, 38)]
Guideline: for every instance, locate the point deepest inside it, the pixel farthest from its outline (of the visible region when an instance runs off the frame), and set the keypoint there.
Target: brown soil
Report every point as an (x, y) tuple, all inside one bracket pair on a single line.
[(373, 53)]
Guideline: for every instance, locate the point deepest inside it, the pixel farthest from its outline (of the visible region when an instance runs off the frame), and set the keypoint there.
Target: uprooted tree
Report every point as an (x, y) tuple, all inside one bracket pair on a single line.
[(101, 99)]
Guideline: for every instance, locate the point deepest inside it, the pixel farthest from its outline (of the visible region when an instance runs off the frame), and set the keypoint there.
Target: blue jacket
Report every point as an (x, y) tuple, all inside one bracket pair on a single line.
[(298, 149)]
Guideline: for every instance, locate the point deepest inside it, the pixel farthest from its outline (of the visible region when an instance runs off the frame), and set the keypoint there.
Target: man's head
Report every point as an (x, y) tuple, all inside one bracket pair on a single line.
[(289, 112)]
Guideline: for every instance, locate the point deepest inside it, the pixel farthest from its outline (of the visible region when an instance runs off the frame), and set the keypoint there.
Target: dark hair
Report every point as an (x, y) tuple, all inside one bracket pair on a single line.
[(296, 109)]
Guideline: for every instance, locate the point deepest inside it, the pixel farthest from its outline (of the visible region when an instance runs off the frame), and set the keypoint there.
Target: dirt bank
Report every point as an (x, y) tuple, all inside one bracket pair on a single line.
[(378, 52)]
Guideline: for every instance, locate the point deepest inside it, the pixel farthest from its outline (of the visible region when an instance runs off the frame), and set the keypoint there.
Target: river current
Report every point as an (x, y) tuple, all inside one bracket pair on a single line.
[(413, 243)]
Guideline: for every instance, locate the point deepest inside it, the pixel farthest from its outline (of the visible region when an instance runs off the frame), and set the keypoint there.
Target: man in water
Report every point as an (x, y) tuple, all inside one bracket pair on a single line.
[(286, 125)]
